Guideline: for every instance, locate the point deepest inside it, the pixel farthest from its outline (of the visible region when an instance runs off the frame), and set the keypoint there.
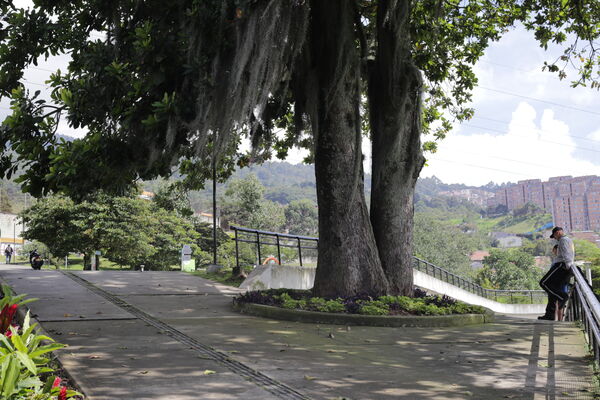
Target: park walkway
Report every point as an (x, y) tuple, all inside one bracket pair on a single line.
[(161, 335)]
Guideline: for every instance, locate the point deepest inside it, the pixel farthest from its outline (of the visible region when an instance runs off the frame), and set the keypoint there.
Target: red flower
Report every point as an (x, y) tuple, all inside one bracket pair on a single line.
[(6, 316), (63, 393), (56, 382)]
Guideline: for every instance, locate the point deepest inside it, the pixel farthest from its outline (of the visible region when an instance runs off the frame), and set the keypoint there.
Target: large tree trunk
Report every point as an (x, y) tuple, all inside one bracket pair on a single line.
[(348, 259), (395, 98)]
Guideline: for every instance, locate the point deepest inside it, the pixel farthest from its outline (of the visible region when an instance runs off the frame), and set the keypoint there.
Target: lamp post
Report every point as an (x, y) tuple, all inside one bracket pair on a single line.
[(214, 182)]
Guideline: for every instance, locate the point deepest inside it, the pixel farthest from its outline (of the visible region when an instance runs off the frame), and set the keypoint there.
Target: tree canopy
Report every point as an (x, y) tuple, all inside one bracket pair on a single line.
[(509, 269), (180, 82), (128, 231)]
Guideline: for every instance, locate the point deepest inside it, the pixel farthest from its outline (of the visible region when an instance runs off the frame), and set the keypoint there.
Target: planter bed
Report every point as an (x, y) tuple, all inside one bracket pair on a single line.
[(391, 311)]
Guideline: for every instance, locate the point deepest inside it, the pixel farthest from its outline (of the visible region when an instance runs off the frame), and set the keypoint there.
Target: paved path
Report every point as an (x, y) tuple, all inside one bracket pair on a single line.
[(161, 335)]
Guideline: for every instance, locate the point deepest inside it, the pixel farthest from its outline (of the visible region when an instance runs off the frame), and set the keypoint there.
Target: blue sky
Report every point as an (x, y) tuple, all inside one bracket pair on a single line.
[(528, 124), (517, 133)]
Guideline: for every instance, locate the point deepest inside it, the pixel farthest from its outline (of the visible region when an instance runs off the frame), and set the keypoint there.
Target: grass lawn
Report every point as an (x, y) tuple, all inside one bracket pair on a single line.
[(75, 264), (223, 276)]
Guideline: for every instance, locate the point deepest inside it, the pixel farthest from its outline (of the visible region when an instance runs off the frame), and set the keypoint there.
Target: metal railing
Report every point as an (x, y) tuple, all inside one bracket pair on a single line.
[(263, 241), (503, 296), (584, 307)]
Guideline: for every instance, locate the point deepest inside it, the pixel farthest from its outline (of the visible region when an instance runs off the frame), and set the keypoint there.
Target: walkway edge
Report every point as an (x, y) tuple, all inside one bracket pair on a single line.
[(425, 321), (55, 355)]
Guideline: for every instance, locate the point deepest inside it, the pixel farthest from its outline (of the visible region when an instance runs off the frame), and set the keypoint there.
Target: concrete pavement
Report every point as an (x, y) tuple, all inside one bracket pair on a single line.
[(169, 335)]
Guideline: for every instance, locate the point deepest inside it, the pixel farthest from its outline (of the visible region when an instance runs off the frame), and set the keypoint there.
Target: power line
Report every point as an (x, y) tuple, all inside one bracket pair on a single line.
[(551, 167), (510, 122), (479, 166), (37, 84), (41, 69), (541, 140), (539, 100), (509, 66)]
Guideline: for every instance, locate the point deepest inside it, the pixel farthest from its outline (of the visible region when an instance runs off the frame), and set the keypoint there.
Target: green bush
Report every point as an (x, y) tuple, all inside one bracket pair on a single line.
[(322, 305), (23, 361), (384, 305), (374, 307)]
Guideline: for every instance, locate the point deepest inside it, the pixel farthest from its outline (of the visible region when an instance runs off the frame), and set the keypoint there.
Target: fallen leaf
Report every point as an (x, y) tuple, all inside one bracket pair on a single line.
[(67, 315), (309, 378), (209, 372)]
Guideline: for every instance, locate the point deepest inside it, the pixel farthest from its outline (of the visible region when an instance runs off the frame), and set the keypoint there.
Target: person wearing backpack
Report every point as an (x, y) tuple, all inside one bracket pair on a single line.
[(8, 252), (555, 280)]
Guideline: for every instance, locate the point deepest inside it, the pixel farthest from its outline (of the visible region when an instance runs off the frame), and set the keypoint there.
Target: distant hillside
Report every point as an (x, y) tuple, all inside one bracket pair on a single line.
[(285, 182)]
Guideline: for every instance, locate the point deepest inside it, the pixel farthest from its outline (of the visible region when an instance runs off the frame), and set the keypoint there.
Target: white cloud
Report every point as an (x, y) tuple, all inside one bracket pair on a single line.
[(527, 150), (594, 135)]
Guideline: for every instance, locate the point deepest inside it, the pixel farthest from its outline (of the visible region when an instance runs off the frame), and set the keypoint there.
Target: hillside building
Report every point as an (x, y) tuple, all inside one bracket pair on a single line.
[(573, 202)]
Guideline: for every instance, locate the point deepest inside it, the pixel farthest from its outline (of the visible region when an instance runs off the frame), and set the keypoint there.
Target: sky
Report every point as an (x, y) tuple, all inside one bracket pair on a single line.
[(527, 125)]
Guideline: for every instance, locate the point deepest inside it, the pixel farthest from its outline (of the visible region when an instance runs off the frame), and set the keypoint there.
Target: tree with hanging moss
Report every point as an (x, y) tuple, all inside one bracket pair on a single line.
[(157, 84)]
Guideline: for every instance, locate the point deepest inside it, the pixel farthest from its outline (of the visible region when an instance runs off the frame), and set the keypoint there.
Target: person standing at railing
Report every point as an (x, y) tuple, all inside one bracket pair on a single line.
[(555, 280)]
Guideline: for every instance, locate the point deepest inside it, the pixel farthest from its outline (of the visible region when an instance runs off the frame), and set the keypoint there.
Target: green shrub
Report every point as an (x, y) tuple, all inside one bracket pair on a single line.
[(429, 309), (23, 360), (333, 306), (374, 307)]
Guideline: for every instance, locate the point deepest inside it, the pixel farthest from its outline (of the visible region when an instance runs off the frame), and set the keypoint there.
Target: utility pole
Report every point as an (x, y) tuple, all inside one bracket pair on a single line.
[(214, 182)]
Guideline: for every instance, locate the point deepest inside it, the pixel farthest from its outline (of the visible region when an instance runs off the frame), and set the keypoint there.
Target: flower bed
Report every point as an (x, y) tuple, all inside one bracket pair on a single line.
[(25, 368), (419, 305)]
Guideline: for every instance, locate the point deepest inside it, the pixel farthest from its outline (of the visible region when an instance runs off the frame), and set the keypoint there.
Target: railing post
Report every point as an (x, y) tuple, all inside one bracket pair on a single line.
[(299, 251), (258, 247), (278, 250), (237, 251)]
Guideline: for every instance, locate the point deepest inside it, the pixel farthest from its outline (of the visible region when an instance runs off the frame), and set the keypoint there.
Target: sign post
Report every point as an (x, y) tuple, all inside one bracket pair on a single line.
[(188, 264)]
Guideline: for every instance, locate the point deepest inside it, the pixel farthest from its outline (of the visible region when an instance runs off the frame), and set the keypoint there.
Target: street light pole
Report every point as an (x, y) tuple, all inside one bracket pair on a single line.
[(214, 182)]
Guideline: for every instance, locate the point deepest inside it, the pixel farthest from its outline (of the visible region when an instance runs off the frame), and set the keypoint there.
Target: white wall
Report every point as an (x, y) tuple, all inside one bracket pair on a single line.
[(273, 276)]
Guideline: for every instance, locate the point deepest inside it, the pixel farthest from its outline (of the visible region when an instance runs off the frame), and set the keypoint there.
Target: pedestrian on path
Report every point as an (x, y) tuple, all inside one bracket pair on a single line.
[(555, 280), (8, 252)]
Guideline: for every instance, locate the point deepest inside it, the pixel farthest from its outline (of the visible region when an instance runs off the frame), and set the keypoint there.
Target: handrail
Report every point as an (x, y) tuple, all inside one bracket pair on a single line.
[(421, 265), (267, 233), (585, 308), (473, 287)]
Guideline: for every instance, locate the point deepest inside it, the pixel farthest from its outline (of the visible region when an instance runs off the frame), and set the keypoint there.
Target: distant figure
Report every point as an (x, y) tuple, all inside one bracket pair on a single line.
[(555, 280), (8, 252), (36, 260)]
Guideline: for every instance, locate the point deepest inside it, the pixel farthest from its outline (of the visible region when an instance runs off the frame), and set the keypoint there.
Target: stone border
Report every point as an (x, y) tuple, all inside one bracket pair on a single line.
[(314, 317)]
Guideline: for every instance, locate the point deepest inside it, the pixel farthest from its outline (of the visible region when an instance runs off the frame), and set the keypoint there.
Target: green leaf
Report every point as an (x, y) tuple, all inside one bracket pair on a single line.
[(26, 361), (17, 341), (31, 382), (10, 376), (6, 342), (46, 349)]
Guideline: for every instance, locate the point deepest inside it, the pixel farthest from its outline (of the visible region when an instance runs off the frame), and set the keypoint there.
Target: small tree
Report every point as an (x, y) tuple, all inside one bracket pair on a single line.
[(128, 231), (509, 269), (301, 217)]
